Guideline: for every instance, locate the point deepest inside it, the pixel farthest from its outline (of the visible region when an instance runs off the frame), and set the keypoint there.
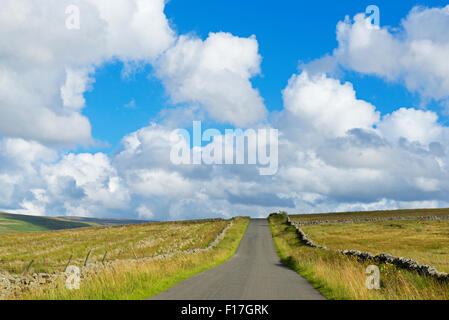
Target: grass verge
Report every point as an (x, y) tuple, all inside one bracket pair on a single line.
[(340, 277), (129, 281)]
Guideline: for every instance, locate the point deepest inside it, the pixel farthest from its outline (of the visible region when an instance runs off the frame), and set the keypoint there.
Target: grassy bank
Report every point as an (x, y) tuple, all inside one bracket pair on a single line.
[(144, 279), (341, 277), (423, 241)]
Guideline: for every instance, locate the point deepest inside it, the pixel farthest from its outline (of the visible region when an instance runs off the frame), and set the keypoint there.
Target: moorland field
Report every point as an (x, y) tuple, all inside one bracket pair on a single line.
[(403, 233)]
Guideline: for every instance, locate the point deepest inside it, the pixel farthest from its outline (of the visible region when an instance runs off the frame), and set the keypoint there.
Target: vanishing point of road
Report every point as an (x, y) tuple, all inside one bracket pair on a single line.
[(253, 273)]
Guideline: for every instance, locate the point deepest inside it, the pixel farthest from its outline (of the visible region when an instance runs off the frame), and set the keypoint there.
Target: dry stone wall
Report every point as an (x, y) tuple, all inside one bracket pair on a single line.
[(359, 220), (11, 285), (400, 262)]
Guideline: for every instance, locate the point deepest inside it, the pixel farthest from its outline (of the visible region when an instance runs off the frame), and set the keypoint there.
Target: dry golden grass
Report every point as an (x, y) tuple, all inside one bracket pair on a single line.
[(125, 280), (424, 241), (370, 214), (51, 250), (341, 277)]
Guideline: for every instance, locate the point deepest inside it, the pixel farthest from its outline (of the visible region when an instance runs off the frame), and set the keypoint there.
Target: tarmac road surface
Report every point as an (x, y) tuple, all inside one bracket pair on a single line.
[(253, 273)]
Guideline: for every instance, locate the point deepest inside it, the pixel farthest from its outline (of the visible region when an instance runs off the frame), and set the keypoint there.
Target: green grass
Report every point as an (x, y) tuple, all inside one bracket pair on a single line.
[(14, 223), (145, 279), (341, 277)]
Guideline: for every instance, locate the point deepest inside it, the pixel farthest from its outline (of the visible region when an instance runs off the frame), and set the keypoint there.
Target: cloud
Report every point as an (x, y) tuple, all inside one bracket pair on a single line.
[(35, 206), (76, 83), (131, 104), (350, 163), (415, 54), (36, 181), (335, 151), (19, 169), (46, 68), (88, 174), (158, 183), (215, 73), (327, 105), (135, 30), (144, 212), (336, 148), (343, 168), (414, 125)]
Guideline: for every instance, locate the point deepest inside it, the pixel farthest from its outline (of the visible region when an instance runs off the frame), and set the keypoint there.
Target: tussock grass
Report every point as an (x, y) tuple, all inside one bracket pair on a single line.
[(142, 280), (340, 277), (424, 241), (51, 250)]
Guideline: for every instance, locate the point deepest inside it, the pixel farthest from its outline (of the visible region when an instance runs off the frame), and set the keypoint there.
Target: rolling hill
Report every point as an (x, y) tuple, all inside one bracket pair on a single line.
[(13, 223)]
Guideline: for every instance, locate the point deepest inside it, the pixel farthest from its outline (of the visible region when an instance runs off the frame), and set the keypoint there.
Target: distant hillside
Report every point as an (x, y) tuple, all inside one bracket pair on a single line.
[(104, 221), (13, 223)]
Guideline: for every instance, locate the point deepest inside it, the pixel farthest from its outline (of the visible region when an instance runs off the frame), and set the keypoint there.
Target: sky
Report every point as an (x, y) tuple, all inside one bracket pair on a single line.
[(87, 110)]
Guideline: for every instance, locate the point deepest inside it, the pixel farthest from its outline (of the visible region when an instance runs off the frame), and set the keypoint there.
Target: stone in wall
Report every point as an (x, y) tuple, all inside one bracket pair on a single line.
[(404, 263)]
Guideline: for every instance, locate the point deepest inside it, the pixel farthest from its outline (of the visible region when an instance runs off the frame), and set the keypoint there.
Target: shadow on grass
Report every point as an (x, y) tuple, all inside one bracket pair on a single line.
[(45, 222)]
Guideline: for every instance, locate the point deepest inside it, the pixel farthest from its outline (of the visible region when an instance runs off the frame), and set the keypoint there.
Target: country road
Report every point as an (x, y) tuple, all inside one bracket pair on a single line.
[(253, 273)]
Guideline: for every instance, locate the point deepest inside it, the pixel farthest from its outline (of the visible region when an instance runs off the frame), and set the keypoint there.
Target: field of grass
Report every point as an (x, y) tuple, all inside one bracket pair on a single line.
[(142, 280), (13, 223), (103, 221), (424, 241), (342, 277), (51, 250), (370, 214)]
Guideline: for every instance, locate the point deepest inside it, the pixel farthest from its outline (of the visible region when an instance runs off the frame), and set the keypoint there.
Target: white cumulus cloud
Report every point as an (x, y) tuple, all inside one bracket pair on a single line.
[(327, 105), (215, 73), (415, 55), (45, 68)]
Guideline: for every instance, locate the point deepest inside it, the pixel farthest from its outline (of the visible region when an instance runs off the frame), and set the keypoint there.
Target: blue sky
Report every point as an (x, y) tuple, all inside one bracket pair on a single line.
[(287, 32), (90, 99)]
